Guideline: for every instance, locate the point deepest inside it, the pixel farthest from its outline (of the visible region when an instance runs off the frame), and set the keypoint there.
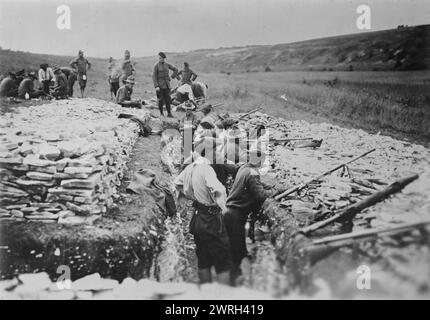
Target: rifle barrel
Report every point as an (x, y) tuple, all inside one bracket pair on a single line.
[(352, 210), (250, 112), (303, 185), (290, 139), (371, 232)]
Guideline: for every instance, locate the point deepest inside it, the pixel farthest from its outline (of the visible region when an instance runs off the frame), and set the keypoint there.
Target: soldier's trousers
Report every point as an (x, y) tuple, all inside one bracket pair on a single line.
[(163, 96), (235, 221)]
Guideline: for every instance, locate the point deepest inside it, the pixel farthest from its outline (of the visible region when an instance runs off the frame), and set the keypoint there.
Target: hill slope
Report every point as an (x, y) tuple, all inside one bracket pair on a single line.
[(16, 60), (396, 49)]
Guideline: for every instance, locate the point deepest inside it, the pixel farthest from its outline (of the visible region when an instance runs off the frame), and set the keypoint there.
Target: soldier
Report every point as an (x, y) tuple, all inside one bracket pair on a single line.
[(71, 76), (26, 88), (61, 88), (247, 195), (8, 86), (127, 68), (80, 65), (114, 74), (46, 76), (161, 79), (123, 96), (187, 75), (199, 183)]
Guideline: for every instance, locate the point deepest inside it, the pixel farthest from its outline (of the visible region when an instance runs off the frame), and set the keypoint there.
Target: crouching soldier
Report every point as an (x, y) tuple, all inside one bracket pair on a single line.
[(246, 196), (198, 182), (8, 86), (61, 88), (123, 96), (26, 88)]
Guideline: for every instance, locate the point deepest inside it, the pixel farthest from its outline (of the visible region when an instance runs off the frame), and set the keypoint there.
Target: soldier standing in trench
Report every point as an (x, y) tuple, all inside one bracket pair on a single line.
[(161, 80), (127, 68), (199, 183), (247, 195)]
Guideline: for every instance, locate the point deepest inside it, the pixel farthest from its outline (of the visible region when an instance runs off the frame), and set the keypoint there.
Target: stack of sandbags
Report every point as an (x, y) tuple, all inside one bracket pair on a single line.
[(69, 155)]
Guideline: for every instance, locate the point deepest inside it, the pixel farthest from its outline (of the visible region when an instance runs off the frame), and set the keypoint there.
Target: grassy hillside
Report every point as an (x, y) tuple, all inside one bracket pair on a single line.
[(406, 48), (397, 49), (16, 60)]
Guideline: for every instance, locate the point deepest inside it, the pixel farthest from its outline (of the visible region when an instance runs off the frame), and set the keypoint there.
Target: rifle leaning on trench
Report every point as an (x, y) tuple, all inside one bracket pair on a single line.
[(305, 184), (243, 116), (350, 212), (321, 248), (250, 112), (289, 139)]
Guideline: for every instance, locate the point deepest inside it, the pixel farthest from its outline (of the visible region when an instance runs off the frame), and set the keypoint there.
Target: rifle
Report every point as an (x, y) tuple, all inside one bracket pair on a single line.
[(214, 106), (289, 139), (321, 248), (370, 232), (250, 112), (351, 211), (303, 185)]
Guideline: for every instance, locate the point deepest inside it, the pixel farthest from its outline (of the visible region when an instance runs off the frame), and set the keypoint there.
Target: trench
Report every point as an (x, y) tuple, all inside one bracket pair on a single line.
[(137, 239), (176, 261)]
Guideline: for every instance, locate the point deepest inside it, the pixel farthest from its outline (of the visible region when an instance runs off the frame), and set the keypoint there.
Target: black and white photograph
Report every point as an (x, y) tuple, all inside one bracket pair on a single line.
[(214, 154)]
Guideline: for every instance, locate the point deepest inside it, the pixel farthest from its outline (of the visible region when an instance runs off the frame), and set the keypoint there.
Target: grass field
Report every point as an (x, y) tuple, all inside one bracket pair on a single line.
[(392, 102), (397, 101)]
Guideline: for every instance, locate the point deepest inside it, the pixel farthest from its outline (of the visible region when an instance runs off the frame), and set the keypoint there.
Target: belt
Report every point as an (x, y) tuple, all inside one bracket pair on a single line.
[(199, 205)]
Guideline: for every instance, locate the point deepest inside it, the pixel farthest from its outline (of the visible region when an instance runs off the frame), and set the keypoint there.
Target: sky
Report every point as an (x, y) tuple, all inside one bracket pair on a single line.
[(145, 27)]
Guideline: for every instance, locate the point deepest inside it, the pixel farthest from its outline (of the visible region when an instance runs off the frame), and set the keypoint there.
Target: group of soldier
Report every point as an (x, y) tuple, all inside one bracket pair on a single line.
[(56, 82), (224, 194), (124, 75)]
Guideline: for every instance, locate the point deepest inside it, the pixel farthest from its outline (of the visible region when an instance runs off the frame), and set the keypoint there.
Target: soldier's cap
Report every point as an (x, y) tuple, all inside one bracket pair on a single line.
[(126, 52), (188, 106), (162, 54), (206, 109), (130, 80), (80, 51), (55, 68)]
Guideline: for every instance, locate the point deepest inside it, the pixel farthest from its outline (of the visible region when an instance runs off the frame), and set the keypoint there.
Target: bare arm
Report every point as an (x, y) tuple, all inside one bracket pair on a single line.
[(73, 65), (174, 69)]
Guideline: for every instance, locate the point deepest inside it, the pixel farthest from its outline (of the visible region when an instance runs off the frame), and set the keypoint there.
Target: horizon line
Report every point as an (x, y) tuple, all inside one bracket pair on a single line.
[(229, 47)]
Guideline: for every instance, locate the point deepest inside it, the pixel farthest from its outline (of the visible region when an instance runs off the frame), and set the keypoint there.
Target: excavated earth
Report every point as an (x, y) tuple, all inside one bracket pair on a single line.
[(136, 240)]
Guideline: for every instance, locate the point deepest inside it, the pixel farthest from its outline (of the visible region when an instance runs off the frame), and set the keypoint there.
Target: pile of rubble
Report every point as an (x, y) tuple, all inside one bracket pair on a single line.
[(39, 286), (290, 164), (392, 159), (63, 160)]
